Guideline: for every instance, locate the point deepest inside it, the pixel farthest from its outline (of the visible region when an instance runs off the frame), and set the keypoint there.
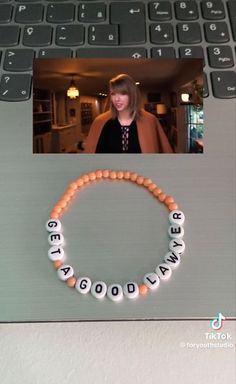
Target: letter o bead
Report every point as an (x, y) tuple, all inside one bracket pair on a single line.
[(55, 238), (115, 292), (99, 289), (53, 225), (151, 280), (176, 217), (65, 272), (83, 285)]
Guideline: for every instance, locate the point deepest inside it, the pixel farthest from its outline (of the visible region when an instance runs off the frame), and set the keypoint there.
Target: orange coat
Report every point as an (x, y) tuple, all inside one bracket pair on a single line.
[(152, 138)]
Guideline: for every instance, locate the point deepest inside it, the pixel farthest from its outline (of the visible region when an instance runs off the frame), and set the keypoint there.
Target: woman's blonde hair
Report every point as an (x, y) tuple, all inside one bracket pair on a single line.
[(125, 85)]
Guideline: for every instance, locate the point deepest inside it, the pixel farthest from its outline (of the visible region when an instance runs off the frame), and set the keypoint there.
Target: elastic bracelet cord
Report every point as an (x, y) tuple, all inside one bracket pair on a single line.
[(131, 289)]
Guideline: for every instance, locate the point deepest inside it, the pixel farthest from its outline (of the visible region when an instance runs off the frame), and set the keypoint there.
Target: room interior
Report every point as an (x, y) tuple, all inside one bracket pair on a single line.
[(69, 93)]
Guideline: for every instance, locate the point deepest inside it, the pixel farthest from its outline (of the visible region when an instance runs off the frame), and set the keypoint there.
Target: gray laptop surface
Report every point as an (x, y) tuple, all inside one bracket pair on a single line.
[(116, 232)]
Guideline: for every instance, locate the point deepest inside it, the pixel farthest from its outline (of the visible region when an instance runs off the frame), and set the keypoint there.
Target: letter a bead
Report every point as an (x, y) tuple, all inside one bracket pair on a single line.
[(115, 292), (163, 271), (64, 272)]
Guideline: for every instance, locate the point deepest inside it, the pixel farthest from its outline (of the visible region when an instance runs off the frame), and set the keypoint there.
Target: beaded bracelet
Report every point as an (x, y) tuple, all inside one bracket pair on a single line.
[(131, 289)]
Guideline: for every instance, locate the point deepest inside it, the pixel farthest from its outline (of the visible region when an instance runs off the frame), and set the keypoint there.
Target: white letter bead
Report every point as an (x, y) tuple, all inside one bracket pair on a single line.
[(176, 231), (177, 245), (163, 271), (53, 225), (176, 217), (83, 285), (55, 238), (56, 253), (115, 292), (172, 259), (151, 280), (99, 289), (131, 290), (64, 272)]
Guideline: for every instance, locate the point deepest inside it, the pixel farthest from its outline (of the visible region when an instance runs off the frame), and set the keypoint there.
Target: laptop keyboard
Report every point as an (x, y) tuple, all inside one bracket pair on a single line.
[(129, 29)]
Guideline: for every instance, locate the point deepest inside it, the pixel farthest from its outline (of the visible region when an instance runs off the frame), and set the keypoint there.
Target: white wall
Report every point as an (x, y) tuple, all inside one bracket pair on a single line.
[(116, 353)]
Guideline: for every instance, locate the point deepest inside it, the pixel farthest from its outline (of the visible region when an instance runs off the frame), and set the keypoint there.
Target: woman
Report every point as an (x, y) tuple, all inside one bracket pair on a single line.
[(126, 128)]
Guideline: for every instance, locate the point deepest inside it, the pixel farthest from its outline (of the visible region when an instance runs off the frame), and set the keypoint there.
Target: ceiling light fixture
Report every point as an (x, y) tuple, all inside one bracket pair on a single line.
[(72, 91)]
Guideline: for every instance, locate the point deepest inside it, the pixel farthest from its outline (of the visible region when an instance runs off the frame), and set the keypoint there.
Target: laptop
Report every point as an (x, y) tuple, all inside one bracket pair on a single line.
[(121, 236)]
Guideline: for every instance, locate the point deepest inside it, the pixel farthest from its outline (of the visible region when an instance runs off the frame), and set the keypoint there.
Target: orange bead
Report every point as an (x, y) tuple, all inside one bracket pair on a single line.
[(126, 175), (168, 200), (147, 182), (62, 203), (92, 176), (54, 215), (156, 192), (71, 282), (66, 197), (57, 208), (143, 289), (57, 264), (85, 178), (79, 182), (140, 180), (161, 197), (98, 174), (73, 186), (172, 206), (113, 175), (120, 175), (133, 176), (70, 192), (105, 173), (151, 187)]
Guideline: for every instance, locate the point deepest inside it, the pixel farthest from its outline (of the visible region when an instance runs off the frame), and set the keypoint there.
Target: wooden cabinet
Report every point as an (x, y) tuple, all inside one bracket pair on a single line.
[(64, 138)]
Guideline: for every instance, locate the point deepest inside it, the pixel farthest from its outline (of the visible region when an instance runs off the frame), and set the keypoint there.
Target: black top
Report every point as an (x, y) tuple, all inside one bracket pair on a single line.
[(115, 138)]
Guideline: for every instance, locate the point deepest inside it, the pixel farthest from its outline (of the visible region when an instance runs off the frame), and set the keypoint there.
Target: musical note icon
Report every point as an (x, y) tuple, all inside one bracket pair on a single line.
[(218, 321)]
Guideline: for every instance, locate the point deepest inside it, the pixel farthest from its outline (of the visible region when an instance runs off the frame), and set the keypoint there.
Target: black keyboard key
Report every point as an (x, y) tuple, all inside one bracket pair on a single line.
[(18, 60), (205, 86), (134, 52), (5, 13), (70, 35), (186, 10), (220, 56), (232, 16), (161, 33), (37, 35), (161, 52), (189, 33), (213, 10), (216, 32), (103, 35), (160, 11), (9, 35), (195, 52), (60, 13), (52, 53), (15, 87), (29, 13), (92, 13), (131, 20), (224, 84)]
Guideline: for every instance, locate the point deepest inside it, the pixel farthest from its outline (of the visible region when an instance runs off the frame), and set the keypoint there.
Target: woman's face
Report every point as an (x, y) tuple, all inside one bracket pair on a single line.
[(120, 101)]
